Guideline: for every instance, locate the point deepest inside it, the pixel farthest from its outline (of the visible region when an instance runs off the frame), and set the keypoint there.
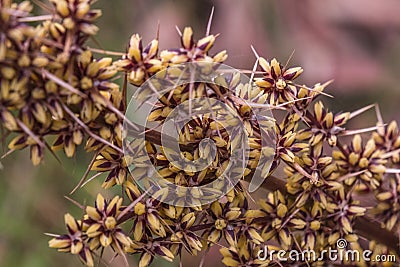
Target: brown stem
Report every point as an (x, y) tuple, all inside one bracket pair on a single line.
[(154, 137), (374, 231)]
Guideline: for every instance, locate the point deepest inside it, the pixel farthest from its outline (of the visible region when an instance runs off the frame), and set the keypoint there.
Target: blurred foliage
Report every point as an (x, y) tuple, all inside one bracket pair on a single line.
[(333, 39)]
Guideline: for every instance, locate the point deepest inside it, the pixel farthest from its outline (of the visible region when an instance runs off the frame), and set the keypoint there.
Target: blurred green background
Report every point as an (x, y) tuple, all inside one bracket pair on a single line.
[(354, 42)]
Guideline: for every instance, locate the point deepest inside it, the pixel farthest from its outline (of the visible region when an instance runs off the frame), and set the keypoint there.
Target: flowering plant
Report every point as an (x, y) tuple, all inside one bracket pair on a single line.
[(54, 88)]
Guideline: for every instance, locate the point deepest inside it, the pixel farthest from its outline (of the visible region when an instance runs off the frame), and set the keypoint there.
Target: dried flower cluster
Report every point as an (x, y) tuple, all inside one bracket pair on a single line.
[(51, 85)]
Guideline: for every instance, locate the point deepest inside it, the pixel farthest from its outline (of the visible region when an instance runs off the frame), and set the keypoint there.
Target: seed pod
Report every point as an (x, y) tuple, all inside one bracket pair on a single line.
[(219, 141), (105, 133), (292, 73), (315, 225), (94, 230), (82, 9), (24, 61), (19, 142), (384, 196), (264, 64), (193, 243), (8, 73), (77, 137), (221, 57), (39, 112), (357, 210), (187, 38), (136, 77), (145, 259), (214, 236), (155, 225), (254, 236), (69, 147), (206, 43), (138, 231), (36, 154), (188, 220), (135, 47), (56, 30), (62, 7), (345, 223), (110, 223), (76, 248), (285, 238), (140, 208), (298, 223), (8, 120), (105, 239), (164, 253), (233, 214), (88, 29), (40, 62), (59, 243)]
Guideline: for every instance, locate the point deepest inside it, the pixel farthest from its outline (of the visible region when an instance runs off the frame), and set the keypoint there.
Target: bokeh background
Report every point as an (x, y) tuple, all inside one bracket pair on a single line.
[(354, 42)]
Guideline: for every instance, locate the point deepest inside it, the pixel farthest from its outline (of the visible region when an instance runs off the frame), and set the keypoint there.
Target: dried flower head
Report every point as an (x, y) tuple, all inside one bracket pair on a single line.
[(55, 88)]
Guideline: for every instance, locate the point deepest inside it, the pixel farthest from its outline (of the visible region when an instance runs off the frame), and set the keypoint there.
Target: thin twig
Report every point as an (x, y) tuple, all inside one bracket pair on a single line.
[(105, 52), (210, 22), (359, 131), (36, 18), (88, 131), (30, 133), (62, 83), (82, 180), (76, 203), (361, 110)]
